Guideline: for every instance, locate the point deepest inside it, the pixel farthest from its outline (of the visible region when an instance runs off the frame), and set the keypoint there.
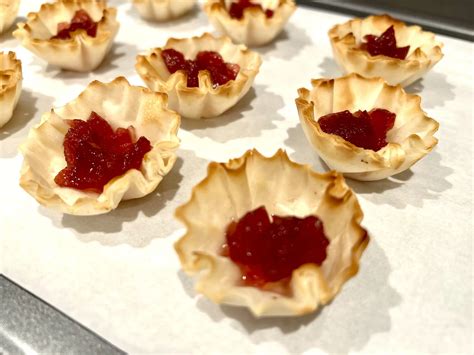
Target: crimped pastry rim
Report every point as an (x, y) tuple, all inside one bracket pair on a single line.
[(306, 111), (213, 7), (205, 84), (234, 166), (15, 72), (93, 204), (8, 14), (334, 37), (172, 9), (24, 31)]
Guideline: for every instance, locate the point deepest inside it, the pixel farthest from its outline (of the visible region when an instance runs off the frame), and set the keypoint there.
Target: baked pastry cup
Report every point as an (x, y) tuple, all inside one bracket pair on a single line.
[(410, 139), (10, 85), (122, 105), (284, 188), (424, 53), (8, 11), (163, 10), (206, 100), (81, 52), (254, 28)]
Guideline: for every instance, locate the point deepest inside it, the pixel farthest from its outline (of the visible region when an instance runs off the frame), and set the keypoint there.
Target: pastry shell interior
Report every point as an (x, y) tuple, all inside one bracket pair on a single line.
[(254, 28), (10, 85), (81, 52), (206, 100), (122, 105), (232, 189), (8, 11), (410, 139), (425, 51), (163, 10)]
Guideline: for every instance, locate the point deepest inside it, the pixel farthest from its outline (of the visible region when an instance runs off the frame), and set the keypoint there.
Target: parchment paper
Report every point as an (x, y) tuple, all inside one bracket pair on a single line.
[(118, 273)]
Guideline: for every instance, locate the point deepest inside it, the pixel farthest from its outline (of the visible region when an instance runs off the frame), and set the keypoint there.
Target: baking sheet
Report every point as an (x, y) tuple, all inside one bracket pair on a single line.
[(118, 273), (54, 333)]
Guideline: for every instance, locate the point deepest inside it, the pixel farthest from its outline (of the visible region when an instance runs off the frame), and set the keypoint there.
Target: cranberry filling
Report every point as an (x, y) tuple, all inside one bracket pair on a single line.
[(364, 129), (220, 71), (269, 251), (385, 44), (236, 9), (80, 21), (95, 154)]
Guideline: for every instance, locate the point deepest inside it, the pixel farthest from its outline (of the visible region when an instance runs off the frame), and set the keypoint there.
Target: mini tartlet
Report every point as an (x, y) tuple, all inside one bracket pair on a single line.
[(163, 10), (254, 28), (424, 53), (410, 139), (81, 52), (8, 11), (204, 101), (286, 189), (10, 85), (122, 105)]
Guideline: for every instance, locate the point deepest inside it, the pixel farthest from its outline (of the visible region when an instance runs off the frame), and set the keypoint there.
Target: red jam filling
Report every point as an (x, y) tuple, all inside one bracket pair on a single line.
[(268, 251), (236, 9), (220, 71), (385, 44), (364, 129), (95, 154), (80, 21)]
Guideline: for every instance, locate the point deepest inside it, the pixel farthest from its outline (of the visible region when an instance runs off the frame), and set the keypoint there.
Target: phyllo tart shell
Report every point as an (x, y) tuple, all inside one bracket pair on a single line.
[(163, 10), (8, 11), (10, 85), (122, 105), (424, 53), (410, 139), (254, 28), (284, 188), (206, 100), (81, 52)]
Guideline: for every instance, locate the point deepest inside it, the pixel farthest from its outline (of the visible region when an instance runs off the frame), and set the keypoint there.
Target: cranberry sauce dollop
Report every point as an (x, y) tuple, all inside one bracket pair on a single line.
[(364, 129), (385, 44), (237, 8), (95, 154), (220, 71), (80, 21), (269, 251)]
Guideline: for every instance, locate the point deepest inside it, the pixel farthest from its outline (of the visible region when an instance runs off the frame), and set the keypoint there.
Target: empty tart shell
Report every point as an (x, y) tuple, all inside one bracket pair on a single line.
[(410, 139), (424, 53), (81, 52), (206, 100), (284, 188), (122, 105), (10, 85), (8, 12), (254, 28), (163, 10)]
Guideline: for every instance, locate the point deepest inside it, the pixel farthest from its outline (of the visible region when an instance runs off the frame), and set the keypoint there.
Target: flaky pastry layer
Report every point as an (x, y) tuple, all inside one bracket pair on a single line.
[(206, 100), (285, 188), (163, 10), (11, 78), (122, 105), (81, 52), (410, 139), (254, 28), (8, 11), (425, 50)]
